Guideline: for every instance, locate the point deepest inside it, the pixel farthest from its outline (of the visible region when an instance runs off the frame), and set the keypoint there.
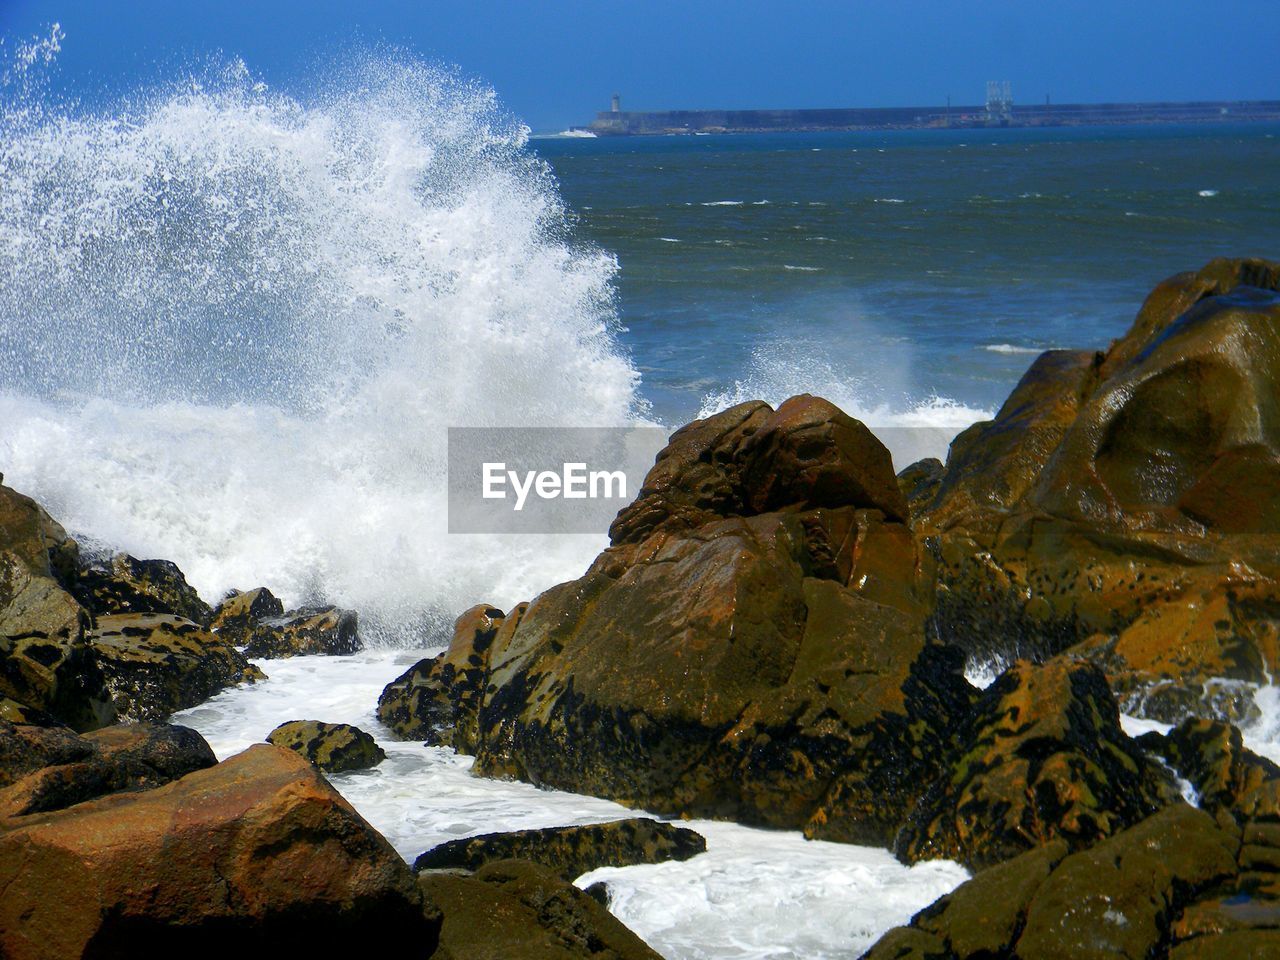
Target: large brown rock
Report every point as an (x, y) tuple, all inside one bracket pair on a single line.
[(156, 664), (752, 646), (517, 910), (571, 851), (1124, 504), (45, 768), (256, 852), (1043, 758), (45, 663)]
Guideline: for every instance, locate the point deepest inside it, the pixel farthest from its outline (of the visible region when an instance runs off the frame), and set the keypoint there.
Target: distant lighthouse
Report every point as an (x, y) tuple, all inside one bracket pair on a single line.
[(615, 105)]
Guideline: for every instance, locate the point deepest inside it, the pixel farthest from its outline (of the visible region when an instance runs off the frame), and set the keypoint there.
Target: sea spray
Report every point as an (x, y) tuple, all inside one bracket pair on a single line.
[(911, 428), (237, 325)]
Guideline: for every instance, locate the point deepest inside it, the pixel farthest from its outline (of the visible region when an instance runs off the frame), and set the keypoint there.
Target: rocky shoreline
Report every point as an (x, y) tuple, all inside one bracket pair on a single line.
[(777, 635)]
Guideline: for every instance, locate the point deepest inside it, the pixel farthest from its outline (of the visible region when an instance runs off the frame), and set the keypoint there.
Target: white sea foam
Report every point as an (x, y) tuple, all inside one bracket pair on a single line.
[(1208, 193), (577, 134), (911, 428), (888, 200), (722, 203), (238, 325), (1012, 348), (754, 894)]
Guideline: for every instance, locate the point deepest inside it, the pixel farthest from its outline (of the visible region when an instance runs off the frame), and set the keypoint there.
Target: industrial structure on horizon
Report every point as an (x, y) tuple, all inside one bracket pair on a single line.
[(998, 111)]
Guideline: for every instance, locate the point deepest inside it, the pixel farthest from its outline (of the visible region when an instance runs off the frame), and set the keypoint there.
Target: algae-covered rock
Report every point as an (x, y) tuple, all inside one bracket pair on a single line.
[(238, 615), (438, 700), (124, 584), (1212, 757), (571, 851), (1119, 898), (45, 663), (308, 630), (517, 910), (156, 664), (333, 747), (1042, 758)]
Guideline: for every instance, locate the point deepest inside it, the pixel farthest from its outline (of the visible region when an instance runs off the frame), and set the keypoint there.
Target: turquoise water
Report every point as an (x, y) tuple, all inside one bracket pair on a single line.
[(902, 265)]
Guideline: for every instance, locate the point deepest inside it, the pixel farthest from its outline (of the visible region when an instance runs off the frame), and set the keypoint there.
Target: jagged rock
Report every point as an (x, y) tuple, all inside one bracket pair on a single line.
[(1212, 757), (124, 584), (438, 700), (920, 482), (49, 768), (239, 614), (333, 747), (751, 459), (1042, 758), (769, 667), (571, 851), (516, 910), (308, 630), (1123, 504), (155, 664), (25, 749), (45, 663), (980, 918), (1119, 898), (237, 859)]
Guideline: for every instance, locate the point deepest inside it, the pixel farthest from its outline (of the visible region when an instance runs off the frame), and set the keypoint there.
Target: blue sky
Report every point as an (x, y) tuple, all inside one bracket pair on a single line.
[(555, 63)]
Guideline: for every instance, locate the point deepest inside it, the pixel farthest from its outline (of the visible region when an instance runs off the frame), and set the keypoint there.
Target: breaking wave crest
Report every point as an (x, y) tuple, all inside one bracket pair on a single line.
[(237, 326)]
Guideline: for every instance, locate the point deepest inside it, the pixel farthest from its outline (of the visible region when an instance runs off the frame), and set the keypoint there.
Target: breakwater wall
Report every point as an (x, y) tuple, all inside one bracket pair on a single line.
[(632, 123)]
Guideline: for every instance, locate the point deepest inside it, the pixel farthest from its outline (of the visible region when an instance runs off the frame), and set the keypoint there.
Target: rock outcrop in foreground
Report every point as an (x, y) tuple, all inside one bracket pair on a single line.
[(254, 853), (751, 646)]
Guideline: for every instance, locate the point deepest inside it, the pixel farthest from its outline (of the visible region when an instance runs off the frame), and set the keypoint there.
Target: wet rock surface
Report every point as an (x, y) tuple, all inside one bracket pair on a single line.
[(124, 584), (750, 647), (247, 855), (50, 768), (308, 630), (571, 851), (1042, 759), (239, 614), (514, 909), (1122, 504), (45, 662), (333, 747), (156, 664)]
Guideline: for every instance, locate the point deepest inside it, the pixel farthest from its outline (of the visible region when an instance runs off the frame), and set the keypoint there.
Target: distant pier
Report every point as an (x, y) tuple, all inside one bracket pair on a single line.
[(997, 112)]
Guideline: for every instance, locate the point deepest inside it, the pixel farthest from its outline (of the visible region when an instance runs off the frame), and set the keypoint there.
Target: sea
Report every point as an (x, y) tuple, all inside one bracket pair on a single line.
[(236, 324)]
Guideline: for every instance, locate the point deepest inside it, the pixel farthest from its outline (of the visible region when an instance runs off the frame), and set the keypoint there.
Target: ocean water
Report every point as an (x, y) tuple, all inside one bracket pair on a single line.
[(754, 895), (900, 270), (236, 324)]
